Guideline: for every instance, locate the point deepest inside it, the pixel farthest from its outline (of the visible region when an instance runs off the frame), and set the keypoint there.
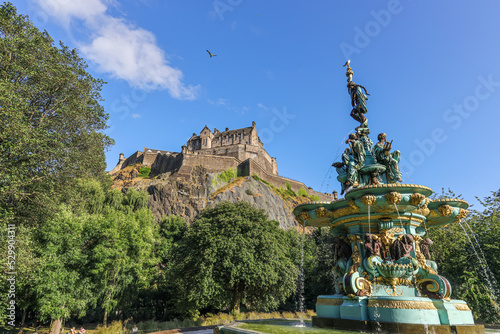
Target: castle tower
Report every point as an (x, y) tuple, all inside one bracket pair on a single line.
[(254, 139), (206, 137)]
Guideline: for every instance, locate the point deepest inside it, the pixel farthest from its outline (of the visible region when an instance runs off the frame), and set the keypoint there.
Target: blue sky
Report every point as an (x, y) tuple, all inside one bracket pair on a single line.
[(432, 69)]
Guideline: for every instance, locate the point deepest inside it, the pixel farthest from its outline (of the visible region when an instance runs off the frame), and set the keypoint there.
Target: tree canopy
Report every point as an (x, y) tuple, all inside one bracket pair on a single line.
[(51, 120), (233, 255), (94, 253)]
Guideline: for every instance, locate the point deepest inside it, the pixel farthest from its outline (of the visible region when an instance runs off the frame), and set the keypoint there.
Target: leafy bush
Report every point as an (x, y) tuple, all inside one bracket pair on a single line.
[(144, 172), (314, 198), (310, 313), (114, 328), (302, 192), (224, 177), (227, 175), (289, 315), (285, 193)]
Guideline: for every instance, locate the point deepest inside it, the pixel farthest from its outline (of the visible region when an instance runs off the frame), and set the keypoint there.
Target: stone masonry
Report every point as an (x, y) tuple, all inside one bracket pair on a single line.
[(217, 151)]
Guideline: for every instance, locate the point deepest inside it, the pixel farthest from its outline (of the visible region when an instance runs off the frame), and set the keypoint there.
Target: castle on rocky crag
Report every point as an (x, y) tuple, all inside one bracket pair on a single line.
[(217, 151)]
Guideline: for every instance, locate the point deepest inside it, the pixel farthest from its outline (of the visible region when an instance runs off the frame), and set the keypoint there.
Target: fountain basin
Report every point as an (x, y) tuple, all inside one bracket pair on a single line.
[(394, 270)]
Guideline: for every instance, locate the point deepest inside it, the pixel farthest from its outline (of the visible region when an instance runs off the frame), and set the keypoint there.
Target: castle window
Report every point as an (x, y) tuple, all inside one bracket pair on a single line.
[(242, 136), (221, 139), (204, 142)]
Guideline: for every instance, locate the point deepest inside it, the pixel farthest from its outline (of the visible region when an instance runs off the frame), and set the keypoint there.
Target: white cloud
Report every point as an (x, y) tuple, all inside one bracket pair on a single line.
[(136, 116), (260, 105), (119, 49), (66, 10)]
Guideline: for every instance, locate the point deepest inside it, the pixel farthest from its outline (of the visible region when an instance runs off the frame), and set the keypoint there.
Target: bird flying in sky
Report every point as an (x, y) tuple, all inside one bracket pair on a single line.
[(211, 55)]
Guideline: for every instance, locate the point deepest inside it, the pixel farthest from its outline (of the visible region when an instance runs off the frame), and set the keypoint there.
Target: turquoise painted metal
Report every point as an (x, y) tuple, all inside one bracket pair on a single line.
[(384, 270)]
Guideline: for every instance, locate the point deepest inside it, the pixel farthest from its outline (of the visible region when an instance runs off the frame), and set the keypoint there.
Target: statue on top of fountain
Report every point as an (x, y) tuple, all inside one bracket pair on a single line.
[(362, 163), (358, 98), (383, 155)]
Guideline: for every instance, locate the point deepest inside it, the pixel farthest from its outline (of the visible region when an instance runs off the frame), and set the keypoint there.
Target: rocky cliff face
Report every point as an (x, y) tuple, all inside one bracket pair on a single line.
[(171, 195)]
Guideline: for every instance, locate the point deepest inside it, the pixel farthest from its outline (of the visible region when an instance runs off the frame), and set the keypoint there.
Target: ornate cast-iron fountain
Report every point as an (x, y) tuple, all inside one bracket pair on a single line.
[(386, 278)]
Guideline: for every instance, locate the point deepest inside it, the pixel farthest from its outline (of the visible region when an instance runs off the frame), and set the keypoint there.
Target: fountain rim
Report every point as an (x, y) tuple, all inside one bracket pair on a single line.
[(421, 189)]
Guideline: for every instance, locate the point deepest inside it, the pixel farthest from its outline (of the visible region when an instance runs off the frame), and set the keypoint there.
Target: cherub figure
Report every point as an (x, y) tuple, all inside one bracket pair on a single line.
[(374, 246), (402, 247), (424, 247), (383, 155), (341, 249)]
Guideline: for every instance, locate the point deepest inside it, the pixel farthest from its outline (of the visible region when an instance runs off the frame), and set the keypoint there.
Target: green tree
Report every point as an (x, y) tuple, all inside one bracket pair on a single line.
[(97, 251), (320, 273), (232, 255), (51, 119), (160, 298), (22, 260), (63, 287), (467, 255), (318, 266)]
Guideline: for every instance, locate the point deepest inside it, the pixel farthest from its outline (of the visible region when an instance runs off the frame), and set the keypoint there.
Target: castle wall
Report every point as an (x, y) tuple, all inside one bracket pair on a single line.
[(166, 163), (239, 149), (136, 158), (149, 159), (279, 181), (232, 137), (212, 163), (183, 164), (242, 152)]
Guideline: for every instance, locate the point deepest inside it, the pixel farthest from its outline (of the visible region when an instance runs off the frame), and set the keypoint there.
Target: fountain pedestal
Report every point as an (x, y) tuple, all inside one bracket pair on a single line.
[(386, 279)]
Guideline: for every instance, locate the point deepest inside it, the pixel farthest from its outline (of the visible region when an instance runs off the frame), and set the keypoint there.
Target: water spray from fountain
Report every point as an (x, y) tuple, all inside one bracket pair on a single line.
[(400, 221), (488, 275)]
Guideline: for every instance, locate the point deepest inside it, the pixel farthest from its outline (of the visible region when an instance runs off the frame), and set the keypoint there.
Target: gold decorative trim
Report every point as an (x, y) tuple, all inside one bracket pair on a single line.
[(420, 257), (423, 210), (364, 286), (356, 255), (463, 213), (304, 215), (445, 210), (416, 198), (316, 202), (462, 307), (433, 288), (393, 197), (374, 217), (446, 200), (402, 304), (433, 214), (391, 185), (346, 211), (368, 200), (396, 230), (322, 212), (329, 301), (392, 281), (374, 225)]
